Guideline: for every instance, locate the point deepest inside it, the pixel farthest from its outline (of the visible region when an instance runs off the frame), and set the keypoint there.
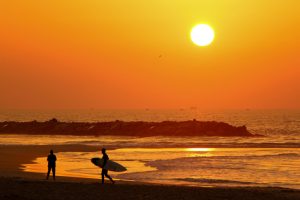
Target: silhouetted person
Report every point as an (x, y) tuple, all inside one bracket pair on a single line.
[(104, 168), (51, 164)]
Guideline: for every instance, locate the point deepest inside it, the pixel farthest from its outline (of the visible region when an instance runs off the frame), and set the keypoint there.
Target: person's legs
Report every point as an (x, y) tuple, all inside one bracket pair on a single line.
[(49, 169), (102, 174), (53, 172), (106, 174)]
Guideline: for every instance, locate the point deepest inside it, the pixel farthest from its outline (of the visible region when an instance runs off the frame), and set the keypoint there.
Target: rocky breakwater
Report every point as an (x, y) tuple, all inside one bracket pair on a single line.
[(122, 128)]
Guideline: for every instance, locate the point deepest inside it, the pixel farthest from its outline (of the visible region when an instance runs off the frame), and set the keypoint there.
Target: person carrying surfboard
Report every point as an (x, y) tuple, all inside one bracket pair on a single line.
[(104, 167)]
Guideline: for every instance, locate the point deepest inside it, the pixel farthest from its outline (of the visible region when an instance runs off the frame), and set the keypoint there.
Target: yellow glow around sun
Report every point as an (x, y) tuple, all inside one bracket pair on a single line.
[(202, 35)]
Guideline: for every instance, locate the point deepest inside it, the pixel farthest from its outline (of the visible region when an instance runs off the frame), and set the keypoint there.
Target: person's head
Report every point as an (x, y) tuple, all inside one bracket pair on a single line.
[(103, 150), (51, 151)]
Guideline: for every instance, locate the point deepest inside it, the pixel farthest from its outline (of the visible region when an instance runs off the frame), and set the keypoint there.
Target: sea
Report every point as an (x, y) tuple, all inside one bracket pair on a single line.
[(269, 161)]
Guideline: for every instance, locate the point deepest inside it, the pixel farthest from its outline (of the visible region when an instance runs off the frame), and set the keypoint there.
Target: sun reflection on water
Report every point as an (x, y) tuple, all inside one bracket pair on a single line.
[(200, 149), (200, 152)]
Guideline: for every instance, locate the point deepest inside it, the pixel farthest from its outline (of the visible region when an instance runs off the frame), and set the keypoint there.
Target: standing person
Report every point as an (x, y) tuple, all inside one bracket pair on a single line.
[(51, 164), (104, 168)]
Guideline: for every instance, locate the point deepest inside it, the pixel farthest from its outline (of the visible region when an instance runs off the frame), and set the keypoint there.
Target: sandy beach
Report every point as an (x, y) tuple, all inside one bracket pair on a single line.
[(16, 184), (13, 188)]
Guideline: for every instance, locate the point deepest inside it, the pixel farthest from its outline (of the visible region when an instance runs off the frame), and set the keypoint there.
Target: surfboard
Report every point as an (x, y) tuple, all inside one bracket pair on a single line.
[(110, 165)]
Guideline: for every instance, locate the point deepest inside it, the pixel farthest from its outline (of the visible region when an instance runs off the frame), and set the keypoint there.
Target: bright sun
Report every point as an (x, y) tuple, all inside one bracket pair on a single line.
[(202, 35)]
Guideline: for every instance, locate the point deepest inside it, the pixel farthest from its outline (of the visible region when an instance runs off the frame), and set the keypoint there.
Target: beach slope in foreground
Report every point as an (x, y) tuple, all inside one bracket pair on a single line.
[(12, 188)]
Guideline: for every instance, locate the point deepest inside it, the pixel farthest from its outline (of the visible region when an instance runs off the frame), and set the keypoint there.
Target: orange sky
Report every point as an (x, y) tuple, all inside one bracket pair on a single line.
[(138, 54)]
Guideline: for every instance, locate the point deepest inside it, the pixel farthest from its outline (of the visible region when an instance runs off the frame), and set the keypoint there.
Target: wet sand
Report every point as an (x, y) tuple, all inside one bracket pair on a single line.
[(16, 184), (13, 156)]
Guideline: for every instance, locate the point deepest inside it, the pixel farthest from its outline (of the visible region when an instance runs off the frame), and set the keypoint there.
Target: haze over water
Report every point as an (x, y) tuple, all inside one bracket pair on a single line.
[(273, 160)]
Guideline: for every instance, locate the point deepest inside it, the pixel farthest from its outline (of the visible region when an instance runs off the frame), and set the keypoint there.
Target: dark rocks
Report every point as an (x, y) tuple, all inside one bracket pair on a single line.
[(121, 128)]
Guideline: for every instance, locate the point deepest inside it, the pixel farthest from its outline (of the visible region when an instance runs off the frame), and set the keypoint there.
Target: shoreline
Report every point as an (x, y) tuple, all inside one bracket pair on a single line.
[(14, 157), (17, 184)]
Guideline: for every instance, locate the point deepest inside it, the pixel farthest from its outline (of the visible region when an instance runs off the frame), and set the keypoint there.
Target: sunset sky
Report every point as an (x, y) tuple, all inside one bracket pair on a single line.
[(106, 54)]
